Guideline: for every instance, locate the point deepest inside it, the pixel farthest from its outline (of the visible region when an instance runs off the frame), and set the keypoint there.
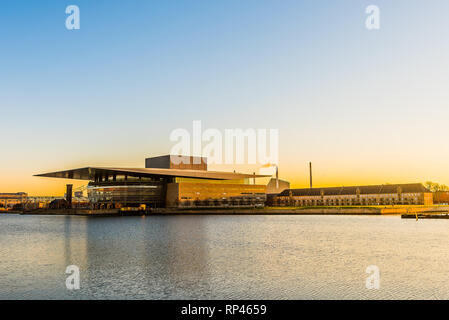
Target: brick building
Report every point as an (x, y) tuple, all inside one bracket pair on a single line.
[(391, 194)]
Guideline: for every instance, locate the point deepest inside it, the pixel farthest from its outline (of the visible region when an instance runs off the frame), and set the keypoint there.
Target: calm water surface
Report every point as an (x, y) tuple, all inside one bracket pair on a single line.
[(223, 257)]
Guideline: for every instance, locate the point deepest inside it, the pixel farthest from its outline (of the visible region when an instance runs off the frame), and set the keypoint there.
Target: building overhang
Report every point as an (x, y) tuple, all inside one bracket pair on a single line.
[(89, 173)]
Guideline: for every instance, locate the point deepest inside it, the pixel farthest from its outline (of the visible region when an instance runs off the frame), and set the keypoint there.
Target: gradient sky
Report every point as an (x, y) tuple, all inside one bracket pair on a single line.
[(366, 107)]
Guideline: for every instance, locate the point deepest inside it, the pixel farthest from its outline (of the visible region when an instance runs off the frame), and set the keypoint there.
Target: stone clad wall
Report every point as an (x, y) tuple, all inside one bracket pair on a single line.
[(187, 193)]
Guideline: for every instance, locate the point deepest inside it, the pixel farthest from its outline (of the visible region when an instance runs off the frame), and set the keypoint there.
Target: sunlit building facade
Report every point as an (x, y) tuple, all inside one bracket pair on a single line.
[(391, 194)]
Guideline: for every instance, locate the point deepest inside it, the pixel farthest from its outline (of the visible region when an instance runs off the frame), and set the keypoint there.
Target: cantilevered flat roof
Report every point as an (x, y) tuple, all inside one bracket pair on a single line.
[(89, 173)]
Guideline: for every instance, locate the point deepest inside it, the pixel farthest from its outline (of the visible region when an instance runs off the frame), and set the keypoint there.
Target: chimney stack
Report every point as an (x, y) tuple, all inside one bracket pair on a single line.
[(277, 178), (310, 170)]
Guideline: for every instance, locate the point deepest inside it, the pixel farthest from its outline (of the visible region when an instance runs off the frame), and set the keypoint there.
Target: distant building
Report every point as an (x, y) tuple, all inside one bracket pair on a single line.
[(8, 200), (41, 201), (78, 194), (46, 199), (276, 187), (441, 198), (34, 202), (391, 194)]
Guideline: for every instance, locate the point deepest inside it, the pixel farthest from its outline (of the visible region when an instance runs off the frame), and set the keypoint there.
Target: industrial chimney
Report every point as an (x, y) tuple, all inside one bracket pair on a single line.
[(277, 178), (310, 170)]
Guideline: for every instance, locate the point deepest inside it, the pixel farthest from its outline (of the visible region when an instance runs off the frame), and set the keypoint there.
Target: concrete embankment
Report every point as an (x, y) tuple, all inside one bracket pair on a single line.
[(204, 211), (271, 211), (414, 210), (430, 213), (419, 216), (251, 211), (79, 212)]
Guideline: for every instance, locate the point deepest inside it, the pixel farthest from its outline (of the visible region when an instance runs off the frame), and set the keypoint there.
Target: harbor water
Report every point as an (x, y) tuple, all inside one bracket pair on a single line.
[(223, 257)]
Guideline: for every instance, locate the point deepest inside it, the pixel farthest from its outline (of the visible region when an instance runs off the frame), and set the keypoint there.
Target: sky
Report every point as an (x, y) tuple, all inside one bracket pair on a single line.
[(365, 106)]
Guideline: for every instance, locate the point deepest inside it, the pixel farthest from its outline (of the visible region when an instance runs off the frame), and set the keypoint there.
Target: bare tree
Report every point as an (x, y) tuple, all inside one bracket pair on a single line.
[(436, 187)]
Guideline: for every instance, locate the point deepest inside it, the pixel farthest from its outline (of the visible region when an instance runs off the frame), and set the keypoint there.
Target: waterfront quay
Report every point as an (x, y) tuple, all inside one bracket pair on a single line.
[(352, 210)]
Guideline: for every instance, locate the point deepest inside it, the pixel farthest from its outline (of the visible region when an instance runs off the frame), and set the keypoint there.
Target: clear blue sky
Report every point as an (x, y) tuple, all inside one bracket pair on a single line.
[(365, 106)]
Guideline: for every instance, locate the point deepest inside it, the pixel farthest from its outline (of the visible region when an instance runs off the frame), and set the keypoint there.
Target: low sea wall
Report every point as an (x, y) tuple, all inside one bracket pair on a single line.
[(270, 211), (250, 211)]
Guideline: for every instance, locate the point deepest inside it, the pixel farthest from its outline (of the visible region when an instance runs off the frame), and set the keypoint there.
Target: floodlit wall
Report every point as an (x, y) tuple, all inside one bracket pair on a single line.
[(207, 194)]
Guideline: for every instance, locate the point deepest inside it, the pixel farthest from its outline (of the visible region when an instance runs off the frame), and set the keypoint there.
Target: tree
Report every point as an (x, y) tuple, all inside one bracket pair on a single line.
[(436, 187), (429, 185)]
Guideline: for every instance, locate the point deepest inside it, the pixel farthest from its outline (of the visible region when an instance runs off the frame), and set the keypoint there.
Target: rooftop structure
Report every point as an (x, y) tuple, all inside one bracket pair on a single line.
[(177, 162)]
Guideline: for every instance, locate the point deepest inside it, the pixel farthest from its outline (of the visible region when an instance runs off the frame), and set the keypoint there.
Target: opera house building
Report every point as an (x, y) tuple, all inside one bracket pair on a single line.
[(167, 181)]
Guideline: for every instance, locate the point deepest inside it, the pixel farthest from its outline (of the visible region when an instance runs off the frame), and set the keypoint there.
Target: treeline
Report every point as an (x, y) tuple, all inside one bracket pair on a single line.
[(436, 187)]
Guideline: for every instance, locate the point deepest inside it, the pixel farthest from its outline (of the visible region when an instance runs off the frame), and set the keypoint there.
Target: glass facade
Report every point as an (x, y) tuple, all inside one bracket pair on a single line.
[(212, 181), (119, 194)]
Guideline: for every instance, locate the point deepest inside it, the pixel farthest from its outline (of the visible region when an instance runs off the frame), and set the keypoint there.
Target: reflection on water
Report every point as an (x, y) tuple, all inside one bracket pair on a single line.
[(141, 257), (221, 257)]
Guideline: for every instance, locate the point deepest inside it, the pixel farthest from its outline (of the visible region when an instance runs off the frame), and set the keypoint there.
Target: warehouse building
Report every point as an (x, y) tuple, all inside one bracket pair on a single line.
[(8, 200), (390, 194)]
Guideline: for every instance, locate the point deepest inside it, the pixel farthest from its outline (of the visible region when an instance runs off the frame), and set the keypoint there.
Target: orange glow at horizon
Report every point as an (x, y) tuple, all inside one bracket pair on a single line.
[(339, 171)]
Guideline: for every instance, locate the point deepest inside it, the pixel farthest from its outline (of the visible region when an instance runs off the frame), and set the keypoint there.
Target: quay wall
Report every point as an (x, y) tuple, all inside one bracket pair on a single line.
[(249, 211)]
